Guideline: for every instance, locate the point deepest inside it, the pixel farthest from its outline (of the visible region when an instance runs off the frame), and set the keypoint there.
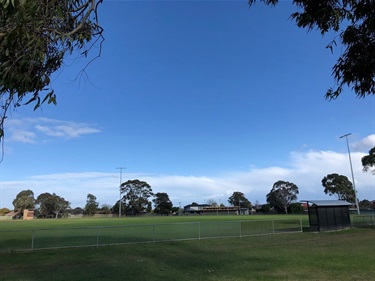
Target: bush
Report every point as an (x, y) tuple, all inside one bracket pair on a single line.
[(295, 208)]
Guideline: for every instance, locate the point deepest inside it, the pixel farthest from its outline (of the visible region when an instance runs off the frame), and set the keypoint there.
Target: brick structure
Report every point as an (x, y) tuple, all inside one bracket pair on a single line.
[(28, 215)]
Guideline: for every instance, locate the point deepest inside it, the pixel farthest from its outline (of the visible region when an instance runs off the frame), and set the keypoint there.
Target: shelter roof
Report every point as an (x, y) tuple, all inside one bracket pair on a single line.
[(12, 213), (326, 203)]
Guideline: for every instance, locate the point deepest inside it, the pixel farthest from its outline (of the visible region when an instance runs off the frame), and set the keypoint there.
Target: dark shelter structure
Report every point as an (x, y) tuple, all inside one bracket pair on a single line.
[(325, 215)]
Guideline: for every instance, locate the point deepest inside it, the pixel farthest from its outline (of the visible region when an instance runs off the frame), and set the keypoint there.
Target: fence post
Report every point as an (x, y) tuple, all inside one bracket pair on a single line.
[(97, 236), (273, 227), (153, 233), (240, 229), (199, 230), (32, 240), (300, 221)]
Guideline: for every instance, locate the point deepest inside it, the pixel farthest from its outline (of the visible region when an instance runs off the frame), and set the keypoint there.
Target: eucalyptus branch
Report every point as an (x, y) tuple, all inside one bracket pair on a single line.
[(83, 20), (35, 36)]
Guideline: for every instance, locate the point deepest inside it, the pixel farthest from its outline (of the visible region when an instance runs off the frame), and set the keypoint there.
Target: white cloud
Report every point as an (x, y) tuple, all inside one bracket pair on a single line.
[(306, 169), (365, 144), (74, 187), (32, 130), (22, 136)]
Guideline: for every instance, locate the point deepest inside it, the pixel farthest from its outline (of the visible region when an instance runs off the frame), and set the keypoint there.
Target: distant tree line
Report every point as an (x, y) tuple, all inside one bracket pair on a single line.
[(137, 198)]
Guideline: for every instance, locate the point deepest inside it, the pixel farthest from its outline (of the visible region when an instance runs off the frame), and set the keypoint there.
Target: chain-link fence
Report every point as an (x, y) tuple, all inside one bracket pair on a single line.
[(111, 235), (363, 220)]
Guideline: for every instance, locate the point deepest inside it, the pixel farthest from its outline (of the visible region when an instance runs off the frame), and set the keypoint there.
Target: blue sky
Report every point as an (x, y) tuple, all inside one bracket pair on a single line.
[(199, 99)]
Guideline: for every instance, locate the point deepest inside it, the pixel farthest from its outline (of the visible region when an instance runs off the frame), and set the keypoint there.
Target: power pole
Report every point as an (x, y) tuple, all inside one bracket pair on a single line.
[(119, 202)]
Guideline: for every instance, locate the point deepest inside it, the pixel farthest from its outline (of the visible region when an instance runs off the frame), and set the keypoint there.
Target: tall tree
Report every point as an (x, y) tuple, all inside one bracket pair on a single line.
[(352, 22), (60, 205), (44, 202), (136, 196), (282, 194), (91, 205), (51, 204), (35, 38), (238, 199), (368, 161), (24, 200), (163, 205), (339, 186)]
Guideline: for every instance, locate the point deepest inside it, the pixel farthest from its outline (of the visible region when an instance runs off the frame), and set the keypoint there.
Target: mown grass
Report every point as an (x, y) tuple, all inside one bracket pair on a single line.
[(37, 234), (343, 255), (67, 223)]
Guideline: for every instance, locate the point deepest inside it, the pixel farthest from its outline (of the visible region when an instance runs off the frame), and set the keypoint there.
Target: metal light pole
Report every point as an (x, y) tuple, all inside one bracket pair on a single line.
[(119, 202), (351, 168)]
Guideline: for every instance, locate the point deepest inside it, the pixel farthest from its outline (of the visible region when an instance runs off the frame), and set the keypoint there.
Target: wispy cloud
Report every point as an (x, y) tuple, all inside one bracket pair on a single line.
[(22, 136), (33, 130)]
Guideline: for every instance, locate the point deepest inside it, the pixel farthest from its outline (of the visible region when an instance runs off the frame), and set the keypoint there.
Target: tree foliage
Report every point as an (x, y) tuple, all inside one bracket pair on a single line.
[(35, 37), (51, 204), (368, 161), (366, 204), (163, 205), (115, 208), (212, 202), (266, 208), (105, 209), (24, 200), (339, 186), (91, 205), (136, 196), (4, 211), (353, 22), (295, 208), (238, 199), (77, 211), (282, 194)]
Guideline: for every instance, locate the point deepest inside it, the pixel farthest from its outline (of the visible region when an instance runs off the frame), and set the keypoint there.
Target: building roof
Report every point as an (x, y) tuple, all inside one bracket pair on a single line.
[(326, 203), (12, 213)]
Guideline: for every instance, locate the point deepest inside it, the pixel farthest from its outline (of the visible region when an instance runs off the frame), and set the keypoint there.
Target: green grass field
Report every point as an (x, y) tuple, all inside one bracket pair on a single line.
[(43, 234), (60, 223), (342, 255)]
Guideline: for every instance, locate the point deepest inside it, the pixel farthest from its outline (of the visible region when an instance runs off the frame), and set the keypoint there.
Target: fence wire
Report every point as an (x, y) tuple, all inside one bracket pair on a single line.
[(363, 220), (151, 233)]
